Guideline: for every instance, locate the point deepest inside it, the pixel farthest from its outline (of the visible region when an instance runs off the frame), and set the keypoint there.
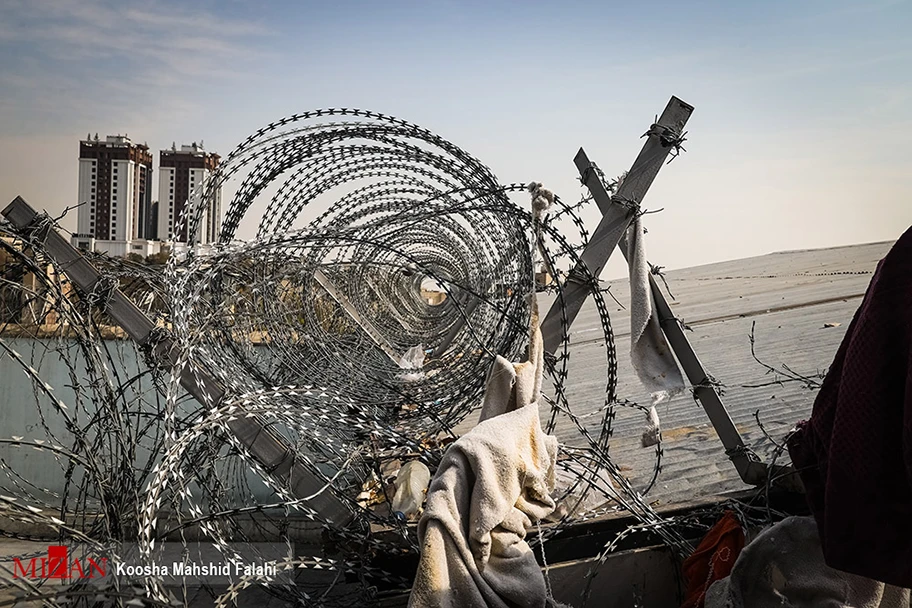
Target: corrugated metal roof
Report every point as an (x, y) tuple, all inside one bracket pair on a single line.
[(790, 296)]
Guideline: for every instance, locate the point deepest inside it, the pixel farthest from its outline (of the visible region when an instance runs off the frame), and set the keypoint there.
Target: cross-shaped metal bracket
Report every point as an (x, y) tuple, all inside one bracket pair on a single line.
[(269, 448), (618, 211)]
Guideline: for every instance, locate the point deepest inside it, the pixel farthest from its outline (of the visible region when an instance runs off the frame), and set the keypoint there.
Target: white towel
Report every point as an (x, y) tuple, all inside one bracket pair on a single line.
[(491, 486), (784, 566), (652, 358)]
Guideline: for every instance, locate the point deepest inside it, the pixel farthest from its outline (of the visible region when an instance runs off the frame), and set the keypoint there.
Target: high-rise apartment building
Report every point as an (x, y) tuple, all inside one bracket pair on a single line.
[(115, 189), (182, 177)]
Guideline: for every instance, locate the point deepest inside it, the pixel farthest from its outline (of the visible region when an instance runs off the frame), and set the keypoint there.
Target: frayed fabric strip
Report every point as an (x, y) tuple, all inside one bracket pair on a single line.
[(653, 431)]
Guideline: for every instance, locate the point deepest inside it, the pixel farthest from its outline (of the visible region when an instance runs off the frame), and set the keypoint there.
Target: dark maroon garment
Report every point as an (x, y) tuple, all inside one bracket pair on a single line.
[(855, 453)]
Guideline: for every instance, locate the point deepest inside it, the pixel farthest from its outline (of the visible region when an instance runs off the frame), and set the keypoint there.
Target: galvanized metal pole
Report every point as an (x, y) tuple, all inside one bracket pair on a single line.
[(383, 297), (465, 302), (269, 449), (617, 213), (368, 327)]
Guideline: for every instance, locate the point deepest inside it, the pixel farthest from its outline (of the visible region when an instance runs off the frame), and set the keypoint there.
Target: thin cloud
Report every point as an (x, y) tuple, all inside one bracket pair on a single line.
[(96, 53), (197, 21)]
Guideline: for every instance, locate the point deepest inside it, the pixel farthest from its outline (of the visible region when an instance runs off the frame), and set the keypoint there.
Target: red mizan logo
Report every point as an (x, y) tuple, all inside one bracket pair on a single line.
[(58, 565)]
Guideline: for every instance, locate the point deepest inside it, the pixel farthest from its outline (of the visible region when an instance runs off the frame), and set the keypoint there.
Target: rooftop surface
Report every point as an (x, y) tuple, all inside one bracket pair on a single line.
[(790, 296)]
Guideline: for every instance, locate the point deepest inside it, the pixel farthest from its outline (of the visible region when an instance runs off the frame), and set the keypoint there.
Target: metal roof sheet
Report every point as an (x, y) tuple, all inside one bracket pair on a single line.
[(790, 296)]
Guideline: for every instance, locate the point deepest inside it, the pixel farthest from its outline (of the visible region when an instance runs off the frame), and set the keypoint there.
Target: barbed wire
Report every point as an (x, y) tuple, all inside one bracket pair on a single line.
[(375, 238)]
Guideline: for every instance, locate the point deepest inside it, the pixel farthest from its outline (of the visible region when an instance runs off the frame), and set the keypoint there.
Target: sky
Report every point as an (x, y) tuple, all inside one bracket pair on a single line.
[(798, 139)]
